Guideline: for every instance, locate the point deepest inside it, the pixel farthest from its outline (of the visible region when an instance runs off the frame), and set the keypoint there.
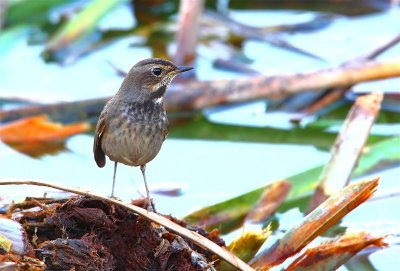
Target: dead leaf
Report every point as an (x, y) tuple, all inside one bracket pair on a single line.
[(269, 202), (333, 254), (315, 223), (38, 129), (245, 247)]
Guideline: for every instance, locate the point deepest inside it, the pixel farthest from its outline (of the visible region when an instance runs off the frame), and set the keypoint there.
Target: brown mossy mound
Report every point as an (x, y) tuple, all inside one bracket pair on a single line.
[(89, 234)]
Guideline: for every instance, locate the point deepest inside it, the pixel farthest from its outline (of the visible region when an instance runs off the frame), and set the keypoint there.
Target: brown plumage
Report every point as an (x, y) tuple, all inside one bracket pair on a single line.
[(133, 124)]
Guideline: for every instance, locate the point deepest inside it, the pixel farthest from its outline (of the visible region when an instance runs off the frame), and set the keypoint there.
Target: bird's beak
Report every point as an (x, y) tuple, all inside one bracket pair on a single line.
[(184, 69)]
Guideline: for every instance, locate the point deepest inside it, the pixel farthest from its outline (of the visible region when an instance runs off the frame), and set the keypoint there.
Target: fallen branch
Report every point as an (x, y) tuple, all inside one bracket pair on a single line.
[(197, 95), (63, 111), (193, 236), (269, 202), (348, 147)]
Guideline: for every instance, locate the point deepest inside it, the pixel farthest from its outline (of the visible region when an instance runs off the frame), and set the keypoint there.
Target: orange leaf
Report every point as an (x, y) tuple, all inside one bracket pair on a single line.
[(335, 253), (38, 129)]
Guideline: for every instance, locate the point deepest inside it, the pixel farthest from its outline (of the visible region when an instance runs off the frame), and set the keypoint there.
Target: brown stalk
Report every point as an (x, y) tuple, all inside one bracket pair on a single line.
[(269, 202), (196, 95), (328, 98), (315, 223), (335, 253), (193, 236), (348, 147)]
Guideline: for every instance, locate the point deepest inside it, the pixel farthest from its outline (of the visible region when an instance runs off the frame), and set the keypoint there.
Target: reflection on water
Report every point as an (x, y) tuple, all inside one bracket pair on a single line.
[(37, 150)]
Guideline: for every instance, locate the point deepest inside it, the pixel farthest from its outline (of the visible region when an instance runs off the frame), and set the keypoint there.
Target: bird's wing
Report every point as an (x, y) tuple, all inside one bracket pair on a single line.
[(101, 127), (166, 130)]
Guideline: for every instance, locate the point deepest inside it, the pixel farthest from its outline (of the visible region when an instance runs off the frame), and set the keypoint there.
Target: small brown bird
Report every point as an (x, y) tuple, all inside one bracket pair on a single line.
[(133, 124)]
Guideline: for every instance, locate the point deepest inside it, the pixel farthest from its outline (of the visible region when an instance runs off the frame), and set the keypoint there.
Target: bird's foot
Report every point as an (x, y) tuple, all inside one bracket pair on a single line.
[(150, 205), (114, 197)]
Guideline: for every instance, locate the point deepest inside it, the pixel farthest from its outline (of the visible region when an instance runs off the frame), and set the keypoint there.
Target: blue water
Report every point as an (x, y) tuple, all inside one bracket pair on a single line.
[(207, 171)]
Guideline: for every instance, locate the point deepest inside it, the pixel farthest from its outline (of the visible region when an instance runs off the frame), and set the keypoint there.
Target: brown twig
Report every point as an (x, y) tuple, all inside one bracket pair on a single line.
[(193, 236), (269, 202), (379, 50), (348, 147), (329, 97), (196, 95), (62, 111)]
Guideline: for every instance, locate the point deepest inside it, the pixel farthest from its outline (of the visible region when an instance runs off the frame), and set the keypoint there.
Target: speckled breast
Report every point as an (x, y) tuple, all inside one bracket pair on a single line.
[(136, 132)]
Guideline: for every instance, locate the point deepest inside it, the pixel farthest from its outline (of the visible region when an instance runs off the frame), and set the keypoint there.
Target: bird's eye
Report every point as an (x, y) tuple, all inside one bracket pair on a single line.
[(156, 71)]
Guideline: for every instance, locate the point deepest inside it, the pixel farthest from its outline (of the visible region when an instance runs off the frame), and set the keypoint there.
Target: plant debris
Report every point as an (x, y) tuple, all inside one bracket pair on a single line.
[(83, 233)]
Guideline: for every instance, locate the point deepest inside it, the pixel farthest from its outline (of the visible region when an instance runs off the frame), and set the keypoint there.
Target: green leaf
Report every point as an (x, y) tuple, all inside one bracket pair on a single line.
[(228, 215), (337, 116), (79, 27), (201, 128), (30, 12)]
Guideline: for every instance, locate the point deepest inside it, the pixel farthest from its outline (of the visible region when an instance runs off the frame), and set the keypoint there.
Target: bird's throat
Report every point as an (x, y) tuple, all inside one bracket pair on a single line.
[(158, 93)]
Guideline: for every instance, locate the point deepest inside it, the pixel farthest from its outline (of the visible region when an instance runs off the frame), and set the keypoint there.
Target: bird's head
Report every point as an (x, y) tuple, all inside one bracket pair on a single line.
[(149, 79)]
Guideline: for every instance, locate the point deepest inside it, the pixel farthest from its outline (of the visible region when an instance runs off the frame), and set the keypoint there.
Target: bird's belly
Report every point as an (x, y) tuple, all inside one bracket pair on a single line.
[(133, 144)]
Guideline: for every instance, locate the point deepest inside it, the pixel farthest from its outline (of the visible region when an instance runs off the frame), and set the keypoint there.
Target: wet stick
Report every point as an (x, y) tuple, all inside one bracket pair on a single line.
[(197, 95), (348, 147)]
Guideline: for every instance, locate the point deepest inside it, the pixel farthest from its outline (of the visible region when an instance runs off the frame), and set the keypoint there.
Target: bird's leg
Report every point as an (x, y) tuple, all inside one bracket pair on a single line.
[(113, 184), (151, 204)]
